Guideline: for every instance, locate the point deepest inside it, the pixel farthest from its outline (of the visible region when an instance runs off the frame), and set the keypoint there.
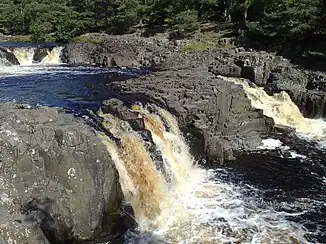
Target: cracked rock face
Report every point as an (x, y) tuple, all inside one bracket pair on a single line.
[(56, 175), (216, 115)]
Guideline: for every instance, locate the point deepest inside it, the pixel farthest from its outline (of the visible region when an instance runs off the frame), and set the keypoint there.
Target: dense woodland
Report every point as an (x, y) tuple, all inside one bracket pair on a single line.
[(61, 20)]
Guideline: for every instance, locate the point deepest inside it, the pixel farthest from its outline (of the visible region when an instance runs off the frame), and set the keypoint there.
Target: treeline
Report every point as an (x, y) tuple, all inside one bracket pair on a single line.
[(61, 20)]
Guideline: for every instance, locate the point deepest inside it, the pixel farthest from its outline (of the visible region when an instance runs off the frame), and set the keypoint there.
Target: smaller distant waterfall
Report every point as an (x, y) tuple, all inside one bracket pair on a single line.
[(283, 110), (53, 56), (33, 55), (4, 61), (24, 55)]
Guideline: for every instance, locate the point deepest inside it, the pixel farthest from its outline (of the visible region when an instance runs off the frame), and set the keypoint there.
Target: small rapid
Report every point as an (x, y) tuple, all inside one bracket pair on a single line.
[(283, 110), (25, 56), (30, 55)]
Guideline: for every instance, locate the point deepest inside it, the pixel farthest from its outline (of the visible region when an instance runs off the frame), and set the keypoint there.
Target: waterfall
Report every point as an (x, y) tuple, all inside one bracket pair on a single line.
[(4, 61), (27, 56), (53, 56), (145, 187), (283, 110), (24, 55), (181, 202)]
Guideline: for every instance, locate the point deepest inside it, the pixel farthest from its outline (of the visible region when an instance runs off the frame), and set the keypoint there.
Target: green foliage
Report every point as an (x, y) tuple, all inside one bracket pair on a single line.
[(287, 20), (183, 24), (124, 15), (39, 31), (279, 21)]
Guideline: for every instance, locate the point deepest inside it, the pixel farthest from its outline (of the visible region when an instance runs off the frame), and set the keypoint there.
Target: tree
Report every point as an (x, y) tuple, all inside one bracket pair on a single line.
[(183, 24)]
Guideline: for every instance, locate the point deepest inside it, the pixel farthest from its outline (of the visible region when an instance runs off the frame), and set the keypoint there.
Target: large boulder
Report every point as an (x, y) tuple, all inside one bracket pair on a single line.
[(7, 58), (55, 175), (40, 54)]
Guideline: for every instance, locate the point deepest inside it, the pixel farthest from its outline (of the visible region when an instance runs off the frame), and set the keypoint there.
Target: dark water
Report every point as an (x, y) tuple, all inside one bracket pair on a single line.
[(27, 44), (292, 184), (73, 88)]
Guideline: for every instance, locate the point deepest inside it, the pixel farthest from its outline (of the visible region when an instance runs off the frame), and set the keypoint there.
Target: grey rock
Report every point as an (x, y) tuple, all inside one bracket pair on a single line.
[(56, 173), (7, 58), (117, 51), (40, 54)]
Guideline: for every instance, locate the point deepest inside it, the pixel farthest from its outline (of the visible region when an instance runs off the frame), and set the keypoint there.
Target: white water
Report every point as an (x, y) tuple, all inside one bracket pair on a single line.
[(53, 56), (273, 144), (28, 66), (195, 206), (4, 62), (24, 55), (282, 109)]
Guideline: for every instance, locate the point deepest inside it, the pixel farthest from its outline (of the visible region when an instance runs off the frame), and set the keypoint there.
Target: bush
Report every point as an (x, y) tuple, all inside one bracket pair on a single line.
[(183, 24), (40, 30)]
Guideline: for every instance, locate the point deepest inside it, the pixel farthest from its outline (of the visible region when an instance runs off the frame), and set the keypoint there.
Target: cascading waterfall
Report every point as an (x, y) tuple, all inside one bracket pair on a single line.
[(53, 56), (4, 62), (283, 110), (138, 169), (184, 203), (24, 55)]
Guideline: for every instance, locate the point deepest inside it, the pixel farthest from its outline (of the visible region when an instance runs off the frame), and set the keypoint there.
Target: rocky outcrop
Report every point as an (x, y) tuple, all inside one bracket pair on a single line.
[(57, 181), (215, 115), (275, 74), (7, 58), (117, 51), (40, 54), (186, 84)]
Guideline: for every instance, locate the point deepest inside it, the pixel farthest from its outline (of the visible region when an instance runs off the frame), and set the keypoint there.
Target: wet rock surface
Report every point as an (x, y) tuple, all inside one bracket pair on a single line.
[(7, 57), (58, 182), (215, 115), (275, 74)]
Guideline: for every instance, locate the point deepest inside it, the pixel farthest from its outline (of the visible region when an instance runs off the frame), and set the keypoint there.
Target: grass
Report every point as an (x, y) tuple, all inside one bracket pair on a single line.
[(26, 38), (196, 46), (29, 38), (86, 39)]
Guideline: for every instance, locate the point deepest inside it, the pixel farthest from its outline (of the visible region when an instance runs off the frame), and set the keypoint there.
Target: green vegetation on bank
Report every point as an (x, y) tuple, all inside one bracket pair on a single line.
[(86, 39), (275, 21), (195, 46)]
